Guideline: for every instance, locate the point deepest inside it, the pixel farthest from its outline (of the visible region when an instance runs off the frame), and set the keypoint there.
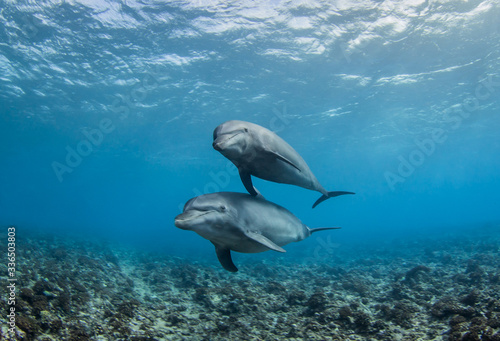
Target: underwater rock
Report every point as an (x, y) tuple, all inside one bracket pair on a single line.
[(42, 286), (447, 259), (187, 276), (446, 307), (317, 302), (80, 295), (275, 288), (78, 334), (357, 285), (262, 269), (362, 321), (59, 253), (401, 313), (89, 263), (49, 322), (399, 291), (472, 298), (63, 302), (494, 305), (416, 274), (143, 338), (110, 257), (202, 295), (119, 326), (222, 327), (293, 332), (55, 325), (345, 313), (331, 271), (39, 304), (296, 297), (26, 294), (174, 319), (28, 325), (128, 308), (475, 271), (231, 308), (494, 322), (379, 325)]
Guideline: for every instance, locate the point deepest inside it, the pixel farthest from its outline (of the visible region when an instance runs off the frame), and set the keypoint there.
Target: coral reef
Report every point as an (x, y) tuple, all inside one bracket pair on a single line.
[(442, 289)]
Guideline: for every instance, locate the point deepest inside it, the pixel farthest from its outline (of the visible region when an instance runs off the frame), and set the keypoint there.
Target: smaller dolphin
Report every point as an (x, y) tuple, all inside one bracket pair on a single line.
[(242, 223), (257, 151)]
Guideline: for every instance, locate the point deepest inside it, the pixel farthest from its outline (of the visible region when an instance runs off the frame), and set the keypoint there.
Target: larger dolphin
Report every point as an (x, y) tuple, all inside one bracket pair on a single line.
[(242, 223), (258, 151)]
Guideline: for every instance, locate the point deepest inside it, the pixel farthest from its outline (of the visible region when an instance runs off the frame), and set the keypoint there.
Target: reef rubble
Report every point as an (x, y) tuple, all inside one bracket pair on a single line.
[(425, 289)]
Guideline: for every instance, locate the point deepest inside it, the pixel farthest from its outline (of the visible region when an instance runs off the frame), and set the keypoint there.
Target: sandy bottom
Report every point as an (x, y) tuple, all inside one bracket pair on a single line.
[(425, 289)]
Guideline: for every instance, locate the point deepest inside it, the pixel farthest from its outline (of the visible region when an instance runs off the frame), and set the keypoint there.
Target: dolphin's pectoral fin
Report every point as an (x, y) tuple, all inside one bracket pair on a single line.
[(224, 256), (264, 241), (246, 178), (284, 159), (330, 195)]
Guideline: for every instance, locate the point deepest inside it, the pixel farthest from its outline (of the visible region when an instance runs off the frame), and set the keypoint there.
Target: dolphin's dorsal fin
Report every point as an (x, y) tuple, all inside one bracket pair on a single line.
[(284, 159), (264, 241), (224, 256)]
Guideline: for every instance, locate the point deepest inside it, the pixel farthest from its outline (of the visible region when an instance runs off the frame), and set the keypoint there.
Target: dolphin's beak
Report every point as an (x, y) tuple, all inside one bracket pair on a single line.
[(184, 220), (216, 145), (221, 140)]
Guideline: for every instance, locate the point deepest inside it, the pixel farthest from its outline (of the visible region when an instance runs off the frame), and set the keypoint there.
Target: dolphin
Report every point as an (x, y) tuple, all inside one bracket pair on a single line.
[(242, 223), (257, 151)]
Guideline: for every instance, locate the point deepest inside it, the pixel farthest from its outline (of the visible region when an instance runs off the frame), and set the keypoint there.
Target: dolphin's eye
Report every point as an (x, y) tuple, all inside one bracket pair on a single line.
[(245, 130), (222, 208)]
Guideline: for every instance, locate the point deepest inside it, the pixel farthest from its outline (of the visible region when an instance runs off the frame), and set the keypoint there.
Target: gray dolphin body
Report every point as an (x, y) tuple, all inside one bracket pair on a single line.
[(258, 151), (241, 223)]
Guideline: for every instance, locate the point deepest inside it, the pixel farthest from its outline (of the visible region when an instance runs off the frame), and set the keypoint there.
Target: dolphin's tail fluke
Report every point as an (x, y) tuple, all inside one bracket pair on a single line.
[(330, 195), (323, 229)]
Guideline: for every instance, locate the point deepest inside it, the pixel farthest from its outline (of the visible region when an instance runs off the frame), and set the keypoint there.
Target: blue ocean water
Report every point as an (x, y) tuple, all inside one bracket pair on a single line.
[(108, 108)]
